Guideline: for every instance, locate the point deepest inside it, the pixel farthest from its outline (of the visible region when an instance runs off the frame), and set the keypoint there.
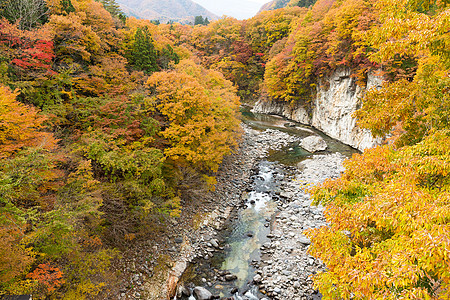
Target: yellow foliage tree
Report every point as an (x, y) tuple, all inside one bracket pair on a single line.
[(200, 107), (389, 212)]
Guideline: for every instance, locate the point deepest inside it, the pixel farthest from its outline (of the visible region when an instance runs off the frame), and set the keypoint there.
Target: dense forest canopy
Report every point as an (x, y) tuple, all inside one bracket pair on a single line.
[(108, 121)]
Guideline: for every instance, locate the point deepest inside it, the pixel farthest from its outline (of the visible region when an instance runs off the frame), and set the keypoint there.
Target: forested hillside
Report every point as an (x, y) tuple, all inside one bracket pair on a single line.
[(102, 121), (107, 123)]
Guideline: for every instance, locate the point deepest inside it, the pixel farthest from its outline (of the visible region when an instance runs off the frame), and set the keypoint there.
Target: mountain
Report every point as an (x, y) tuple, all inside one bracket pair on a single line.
[(275, 4), (239, 9), (183, 11)]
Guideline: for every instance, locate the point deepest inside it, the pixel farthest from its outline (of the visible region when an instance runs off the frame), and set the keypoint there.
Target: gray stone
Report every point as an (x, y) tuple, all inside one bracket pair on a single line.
[(257, 278), (182, 291), (313, 144), (214, 243), (200, 293)]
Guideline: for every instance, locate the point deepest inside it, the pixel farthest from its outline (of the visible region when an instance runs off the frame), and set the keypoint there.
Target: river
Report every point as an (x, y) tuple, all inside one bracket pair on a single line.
[(262, 253)]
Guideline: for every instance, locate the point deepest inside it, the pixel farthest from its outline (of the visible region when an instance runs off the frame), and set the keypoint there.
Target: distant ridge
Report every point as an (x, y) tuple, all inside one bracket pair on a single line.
[(183, 11), (239, 9)]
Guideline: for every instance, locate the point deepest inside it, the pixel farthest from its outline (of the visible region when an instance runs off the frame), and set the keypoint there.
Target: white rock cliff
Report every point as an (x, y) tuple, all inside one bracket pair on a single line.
[(332, 109)]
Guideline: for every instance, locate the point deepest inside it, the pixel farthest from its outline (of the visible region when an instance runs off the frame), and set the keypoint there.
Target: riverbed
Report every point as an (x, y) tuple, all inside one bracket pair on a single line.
[(262, 252)]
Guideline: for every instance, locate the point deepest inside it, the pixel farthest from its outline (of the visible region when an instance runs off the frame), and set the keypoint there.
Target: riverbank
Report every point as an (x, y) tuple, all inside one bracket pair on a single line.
[(152, 270), (284, 269)]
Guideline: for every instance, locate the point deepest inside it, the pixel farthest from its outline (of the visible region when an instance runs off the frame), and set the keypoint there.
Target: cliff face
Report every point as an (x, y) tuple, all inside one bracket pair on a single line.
[(331, 110)]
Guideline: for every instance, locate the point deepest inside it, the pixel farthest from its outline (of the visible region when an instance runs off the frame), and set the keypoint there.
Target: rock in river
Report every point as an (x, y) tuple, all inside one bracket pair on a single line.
[(313, 144), (200, 293)]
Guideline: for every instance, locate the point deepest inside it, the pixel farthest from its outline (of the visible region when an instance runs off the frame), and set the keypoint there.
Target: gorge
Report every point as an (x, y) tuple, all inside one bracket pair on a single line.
[(253, 240), (299, 154)]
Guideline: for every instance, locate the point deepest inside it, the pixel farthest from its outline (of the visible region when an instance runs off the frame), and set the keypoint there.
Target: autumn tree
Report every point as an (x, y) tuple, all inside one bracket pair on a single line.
[(388, 213), (20, 125), (200, 109)]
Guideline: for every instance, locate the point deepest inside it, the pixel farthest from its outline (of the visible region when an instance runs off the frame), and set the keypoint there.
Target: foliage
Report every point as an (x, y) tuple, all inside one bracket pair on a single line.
[(48, 276), (20, 125), (200, 109), (143, 54), (145, 112), (388, 213), (200, 21), (326, 37), (27, 13), (389, 224)]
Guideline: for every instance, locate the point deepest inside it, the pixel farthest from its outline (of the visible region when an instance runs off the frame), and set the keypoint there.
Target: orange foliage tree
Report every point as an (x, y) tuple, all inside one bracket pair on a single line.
[(20, 125), (48, 276), (200, 109)]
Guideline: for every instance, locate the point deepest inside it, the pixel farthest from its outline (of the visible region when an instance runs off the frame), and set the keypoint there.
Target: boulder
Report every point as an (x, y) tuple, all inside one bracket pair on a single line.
[(230, 277), (200, 293), (182, 291), (313, 144)]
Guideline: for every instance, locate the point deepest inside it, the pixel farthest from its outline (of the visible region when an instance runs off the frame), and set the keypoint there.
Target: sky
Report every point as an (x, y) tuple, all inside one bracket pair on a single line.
[(240, 9)]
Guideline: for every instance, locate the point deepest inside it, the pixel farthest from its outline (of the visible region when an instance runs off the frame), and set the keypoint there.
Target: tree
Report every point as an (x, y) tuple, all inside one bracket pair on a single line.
[(20, 125), (166, 56), (143, 55), (389, 212), (28, 13), (111, 6), (67, 6), (200, 109), (199, 20)]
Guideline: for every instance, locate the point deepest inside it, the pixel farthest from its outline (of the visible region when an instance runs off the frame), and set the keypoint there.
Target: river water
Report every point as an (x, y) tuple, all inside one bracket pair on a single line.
[(250, 226)]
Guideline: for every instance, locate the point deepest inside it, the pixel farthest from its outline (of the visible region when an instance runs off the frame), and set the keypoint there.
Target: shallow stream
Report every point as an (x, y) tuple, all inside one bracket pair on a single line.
[(249, 228)]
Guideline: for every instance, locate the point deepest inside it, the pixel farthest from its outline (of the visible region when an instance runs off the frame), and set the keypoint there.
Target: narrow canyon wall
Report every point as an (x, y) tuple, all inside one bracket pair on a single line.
[(331, 110)]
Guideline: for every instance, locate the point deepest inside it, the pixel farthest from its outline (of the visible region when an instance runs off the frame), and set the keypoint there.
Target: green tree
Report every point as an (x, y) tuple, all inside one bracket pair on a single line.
[(67, 6), (166, 56), (143, 53), (199, 20), (111, 6)]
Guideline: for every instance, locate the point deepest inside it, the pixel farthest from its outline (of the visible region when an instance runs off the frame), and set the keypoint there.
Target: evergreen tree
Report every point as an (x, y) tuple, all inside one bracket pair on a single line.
[(199, 20), (143, 53), (67, 6), (166, 56), (112, 7), (302, 3)]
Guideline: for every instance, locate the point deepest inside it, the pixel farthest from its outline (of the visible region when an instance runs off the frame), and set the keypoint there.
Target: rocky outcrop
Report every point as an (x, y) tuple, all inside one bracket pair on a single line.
[(331, 111)]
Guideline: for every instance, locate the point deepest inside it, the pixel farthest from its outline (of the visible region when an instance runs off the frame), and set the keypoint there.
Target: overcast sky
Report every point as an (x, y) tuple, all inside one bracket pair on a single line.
[(240, 9)]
